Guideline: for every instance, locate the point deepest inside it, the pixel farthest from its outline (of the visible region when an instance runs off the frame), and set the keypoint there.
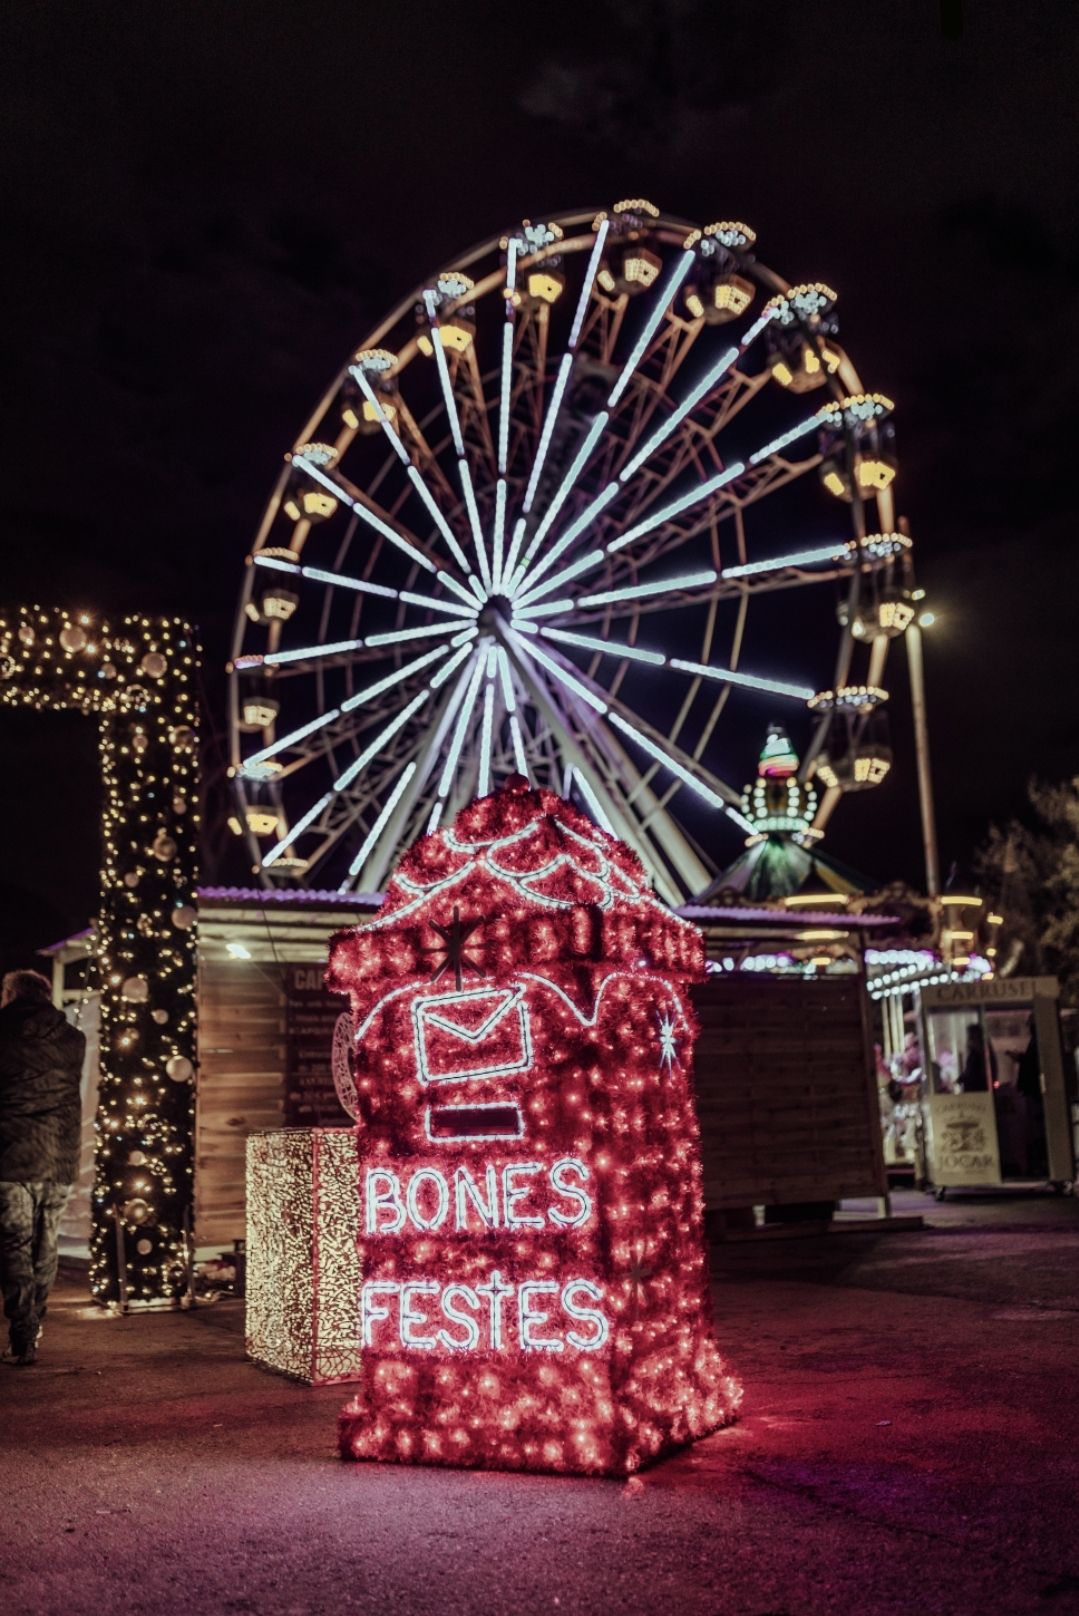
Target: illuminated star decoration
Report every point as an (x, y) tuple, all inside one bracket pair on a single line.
[(454, 938), (668, 1049)]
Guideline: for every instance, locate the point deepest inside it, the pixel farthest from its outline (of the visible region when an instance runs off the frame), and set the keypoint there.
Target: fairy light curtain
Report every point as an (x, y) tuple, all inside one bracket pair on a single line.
[(533, 1285), (136, 676)]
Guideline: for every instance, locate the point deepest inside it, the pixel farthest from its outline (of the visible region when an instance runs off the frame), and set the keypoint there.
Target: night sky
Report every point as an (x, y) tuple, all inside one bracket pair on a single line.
[(208, 205)]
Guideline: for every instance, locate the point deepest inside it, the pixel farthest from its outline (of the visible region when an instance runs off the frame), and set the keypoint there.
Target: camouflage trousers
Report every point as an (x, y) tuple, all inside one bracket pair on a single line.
[(30, 1216)]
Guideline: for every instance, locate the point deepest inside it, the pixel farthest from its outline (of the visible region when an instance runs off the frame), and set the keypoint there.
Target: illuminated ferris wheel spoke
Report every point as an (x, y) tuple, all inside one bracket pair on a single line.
[(406, 671), (439, 520), (622, 717), (751, 681), (378, 827), (428, 631), (562, 493), (507, 356), (364, 512), (635, 653), (372, 750), (505, 674), (336, 580), (565, 366), (587, 642), (362, 586), (302, 653), (584, 563), (689, 773), (412, 472), (499, 540), (520, 759), (793, 434), (694, 496), (464, 718), (474, 519), (439, 679), (564, 677), (704, 577), (565, 740), (292, 738), (298, 829), (575, 529), (733, 583), (589, 282), (708, 383), (660, 307), (450, 607), (484, 783), (464, 471), (519, 529), (595, 805)]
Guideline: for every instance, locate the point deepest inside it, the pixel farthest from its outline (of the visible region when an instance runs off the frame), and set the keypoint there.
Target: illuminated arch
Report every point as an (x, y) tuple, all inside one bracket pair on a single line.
[(136, 676)]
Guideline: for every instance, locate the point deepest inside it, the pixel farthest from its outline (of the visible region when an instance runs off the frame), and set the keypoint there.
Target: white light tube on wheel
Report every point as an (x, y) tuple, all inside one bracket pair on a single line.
[(663, 301), (484, 783), (562, 494), (379, 825), (695, 495), (598, 810), (384, 735), (463, 720), (678, 770), (297, 830), (532, 650), (752, 681), (369, 692), (610, 597), (398, 636), (319, 476), (607, 647)]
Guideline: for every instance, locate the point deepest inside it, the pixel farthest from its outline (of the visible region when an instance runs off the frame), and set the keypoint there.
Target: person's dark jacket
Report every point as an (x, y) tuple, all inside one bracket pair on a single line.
[(41, 1058)]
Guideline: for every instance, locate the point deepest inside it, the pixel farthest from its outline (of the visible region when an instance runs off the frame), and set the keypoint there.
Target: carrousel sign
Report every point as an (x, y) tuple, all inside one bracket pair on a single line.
[(533, 1284)]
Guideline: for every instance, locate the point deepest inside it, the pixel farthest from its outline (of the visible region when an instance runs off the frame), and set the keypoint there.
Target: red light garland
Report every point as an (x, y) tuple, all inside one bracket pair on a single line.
[(534, 1290)]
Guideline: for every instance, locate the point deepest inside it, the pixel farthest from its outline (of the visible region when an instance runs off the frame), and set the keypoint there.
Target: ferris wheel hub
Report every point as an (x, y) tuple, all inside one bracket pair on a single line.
[(496, 616)]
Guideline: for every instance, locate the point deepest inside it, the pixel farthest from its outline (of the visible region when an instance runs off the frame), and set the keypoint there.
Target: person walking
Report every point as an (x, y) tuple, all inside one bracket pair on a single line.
[(41, 1058)]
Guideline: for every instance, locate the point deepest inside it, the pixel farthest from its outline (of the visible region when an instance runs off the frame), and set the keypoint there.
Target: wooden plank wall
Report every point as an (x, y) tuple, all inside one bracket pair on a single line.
[(785, 1091), (241, 1086)]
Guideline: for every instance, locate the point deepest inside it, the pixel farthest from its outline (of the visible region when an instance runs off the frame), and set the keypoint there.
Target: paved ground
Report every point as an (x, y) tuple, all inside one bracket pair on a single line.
[(910, 1444)]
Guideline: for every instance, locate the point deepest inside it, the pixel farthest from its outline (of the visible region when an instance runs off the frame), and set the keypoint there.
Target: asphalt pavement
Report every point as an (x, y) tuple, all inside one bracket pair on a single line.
[(909, 1444)]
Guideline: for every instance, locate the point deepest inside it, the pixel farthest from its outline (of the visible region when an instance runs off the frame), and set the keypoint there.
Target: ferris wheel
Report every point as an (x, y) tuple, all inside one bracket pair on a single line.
[(527, 530)]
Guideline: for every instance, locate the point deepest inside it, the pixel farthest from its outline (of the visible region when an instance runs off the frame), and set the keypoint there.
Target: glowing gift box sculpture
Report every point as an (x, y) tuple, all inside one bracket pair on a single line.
[(533, 1288), (302, 1269)]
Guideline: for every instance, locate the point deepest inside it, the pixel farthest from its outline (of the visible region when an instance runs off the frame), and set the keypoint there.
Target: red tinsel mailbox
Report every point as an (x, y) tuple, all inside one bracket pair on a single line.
[(533, 1284)]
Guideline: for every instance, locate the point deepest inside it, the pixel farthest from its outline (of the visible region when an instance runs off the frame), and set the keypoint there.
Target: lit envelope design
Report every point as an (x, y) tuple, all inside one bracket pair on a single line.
[(533, 1289), (464, 1038)]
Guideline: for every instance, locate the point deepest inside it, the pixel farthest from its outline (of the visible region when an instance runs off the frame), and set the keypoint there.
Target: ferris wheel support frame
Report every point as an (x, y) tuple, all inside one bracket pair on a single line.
[(626, 827)]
